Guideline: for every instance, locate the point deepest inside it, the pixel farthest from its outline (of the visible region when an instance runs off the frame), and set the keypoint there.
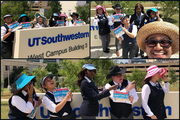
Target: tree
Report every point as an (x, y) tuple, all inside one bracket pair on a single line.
[(99, 2), (83, 12), (55, 8), (138, 76), (53, 68), (155, 2), (15, 72), (71, 69), (16, 8), (172, 75), (169, 8), (39, 73)]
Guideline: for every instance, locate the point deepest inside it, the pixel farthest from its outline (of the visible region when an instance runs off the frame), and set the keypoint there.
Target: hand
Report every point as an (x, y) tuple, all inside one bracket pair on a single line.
[(157, 14), (164, 78), (9, 30), (153, 117), (39, 101), (30, 90), (45, 22), (112, 19), (74, 23), (131, 98), (82, 22), (106, 13), (123, 29), (113, 87), (69, 95), (130, 86)]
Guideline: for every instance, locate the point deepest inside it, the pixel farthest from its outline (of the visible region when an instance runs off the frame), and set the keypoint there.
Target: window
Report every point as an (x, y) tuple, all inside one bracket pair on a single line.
[(6, 67)]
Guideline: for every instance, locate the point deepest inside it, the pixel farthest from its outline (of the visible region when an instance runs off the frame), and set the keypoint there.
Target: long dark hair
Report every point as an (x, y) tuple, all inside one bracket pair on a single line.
[(147, 80), (139, 5), (14, 90), (81, 75)]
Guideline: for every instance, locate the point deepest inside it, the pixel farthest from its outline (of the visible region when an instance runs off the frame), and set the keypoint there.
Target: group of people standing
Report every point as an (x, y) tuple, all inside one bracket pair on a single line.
[(40, 21), (130, 26), (24, 99)]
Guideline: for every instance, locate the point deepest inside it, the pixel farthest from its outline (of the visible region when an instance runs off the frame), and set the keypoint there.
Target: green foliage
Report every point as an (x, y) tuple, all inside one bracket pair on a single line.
[(55, 8), (12, 76), (169, 8), (39, 73), (99, 2), (83, 12), (172, 75), (53, 68), (156, 2), (16, 8), (70, 71), (138, 76), (128, 6)]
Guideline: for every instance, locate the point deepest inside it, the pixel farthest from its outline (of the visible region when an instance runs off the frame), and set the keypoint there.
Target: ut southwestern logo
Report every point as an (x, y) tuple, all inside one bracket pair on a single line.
[(105, 111), (55, 39)]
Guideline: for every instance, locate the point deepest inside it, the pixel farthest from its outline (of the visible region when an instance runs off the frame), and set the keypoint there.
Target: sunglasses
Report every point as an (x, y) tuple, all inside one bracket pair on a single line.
[(163, 43)]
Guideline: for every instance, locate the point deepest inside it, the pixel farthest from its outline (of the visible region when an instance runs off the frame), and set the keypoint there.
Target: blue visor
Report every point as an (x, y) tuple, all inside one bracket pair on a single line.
[(55, 14), (89, 66), (23, 81)]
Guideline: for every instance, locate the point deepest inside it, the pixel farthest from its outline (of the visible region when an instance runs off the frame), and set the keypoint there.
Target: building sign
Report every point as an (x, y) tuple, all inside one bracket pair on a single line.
[(52, 42), (171, 105)]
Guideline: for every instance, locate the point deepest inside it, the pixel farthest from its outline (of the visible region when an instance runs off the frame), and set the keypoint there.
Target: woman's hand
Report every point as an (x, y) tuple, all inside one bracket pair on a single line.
[(164, 78), (153, 117), (157, 14), (112, 19), (131, 98), (30, 90), (69, 95), (39, 101), (113, 87)]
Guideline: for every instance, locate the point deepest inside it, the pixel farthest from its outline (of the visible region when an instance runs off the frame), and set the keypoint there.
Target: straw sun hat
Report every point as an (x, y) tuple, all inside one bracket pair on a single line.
[(171, 30)]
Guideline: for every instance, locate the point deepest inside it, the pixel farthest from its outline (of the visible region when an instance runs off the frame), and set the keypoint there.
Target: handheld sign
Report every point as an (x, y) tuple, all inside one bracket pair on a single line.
[(122, 97), (26, 25), (117, 17), (14, 26), (118, 31), (60, 22), (59, 94), (33, 112), (78, 22)]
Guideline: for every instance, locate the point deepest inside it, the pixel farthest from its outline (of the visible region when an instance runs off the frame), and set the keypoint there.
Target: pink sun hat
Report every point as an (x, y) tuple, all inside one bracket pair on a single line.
[(153, 69), (99, 6), (63, 15)]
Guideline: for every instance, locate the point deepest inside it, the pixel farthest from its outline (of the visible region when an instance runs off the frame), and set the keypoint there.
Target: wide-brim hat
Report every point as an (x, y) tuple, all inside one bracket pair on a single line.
[(149, 11), (23, 81), (153, 69), (115, 70), (76, 14), (89, 66), (100, 7), (118, 6), (44, 78), (37, 15), (7, 16), (171, 30), (63, 15), (23, 15)]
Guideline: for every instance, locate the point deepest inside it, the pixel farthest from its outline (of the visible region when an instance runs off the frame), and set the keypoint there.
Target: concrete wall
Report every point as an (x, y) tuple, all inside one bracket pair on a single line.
[(171, 103)]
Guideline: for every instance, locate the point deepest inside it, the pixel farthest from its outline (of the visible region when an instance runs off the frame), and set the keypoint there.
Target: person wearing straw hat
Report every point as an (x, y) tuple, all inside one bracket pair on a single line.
[(153, 15), (7, 38), (58, 110), (24, 100), (74, 19), (89, 108), (41, 20), (53, 20), (121, 110), (158, 39), (116, 23), (64, 17), (101, 19), (153, 93), (129, 44)]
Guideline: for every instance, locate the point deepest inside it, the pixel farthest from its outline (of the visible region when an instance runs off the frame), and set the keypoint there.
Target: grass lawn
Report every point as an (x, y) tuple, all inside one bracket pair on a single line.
[(4, 109)]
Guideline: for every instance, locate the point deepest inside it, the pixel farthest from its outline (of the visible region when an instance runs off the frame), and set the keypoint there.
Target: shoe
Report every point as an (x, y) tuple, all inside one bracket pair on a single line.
[(106, 51), (117, 53)]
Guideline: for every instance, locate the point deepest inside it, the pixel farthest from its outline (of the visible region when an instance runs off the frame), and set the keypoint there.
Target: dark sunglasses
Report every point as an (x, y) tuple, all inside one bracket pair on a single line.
[(163, 43)]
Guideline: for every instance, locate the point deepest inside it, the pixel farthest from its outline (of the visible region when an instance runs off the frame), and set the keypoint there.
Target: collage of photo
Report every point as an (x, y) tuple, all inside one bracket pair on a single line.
[(90, 60)]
